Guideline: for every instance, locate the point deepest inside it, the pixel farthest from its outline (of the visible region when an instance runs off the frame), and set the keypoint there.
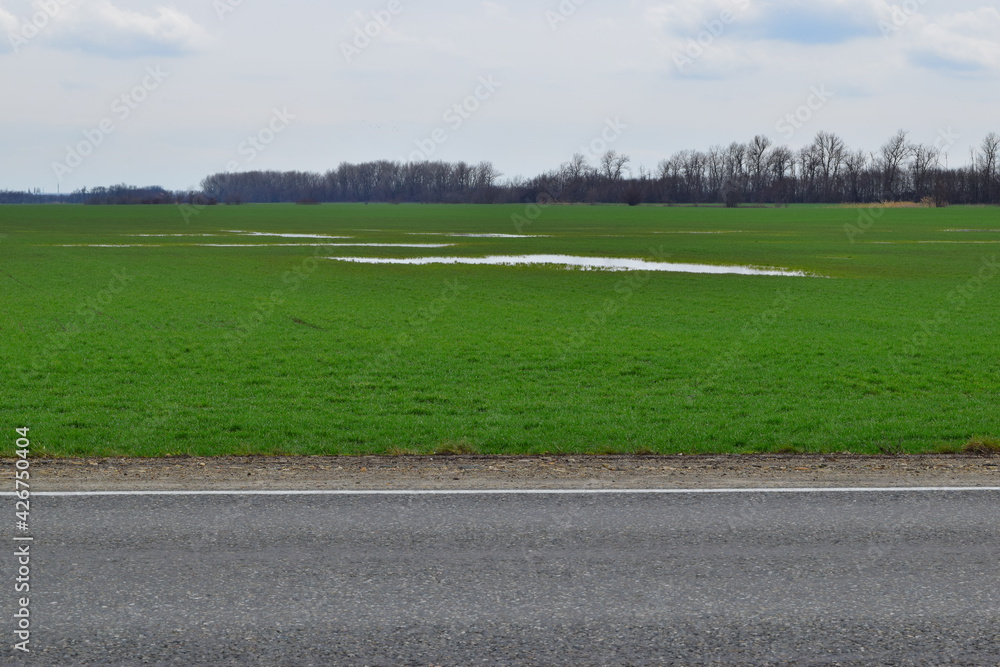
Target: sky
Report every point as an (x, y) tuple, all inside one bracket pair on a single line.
[(144, 92)]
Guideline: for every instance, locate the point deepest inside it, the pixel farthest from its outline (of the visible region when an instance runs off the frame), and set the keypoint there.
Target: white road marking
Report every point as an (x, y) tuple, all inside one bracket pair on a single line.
[(494, 492)]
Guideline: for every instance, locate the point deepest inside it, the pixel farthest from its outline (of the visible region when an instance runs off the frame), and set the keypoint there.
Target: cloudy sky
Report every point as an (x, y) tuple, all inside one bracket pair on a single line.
[(147, 92)]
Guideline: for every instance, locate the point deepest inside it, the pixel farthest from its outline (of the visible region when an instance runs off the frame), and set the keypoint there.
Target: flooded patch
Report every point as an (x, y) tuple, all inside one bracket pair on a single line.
[(482, 236), (283, 235), (571, 261), (398, 245), (988, 231), (322, 245), (258, 245)]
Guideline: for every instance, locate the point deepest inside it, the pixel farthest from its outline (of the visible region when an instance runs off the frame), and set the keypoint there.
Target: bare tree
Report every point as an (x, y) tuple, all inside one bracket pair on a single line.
[(484, 178), (694, 168), (809, 172), (781, 165), (734, 185), (669, 167), (463, 175), (925, 161), (715, 168), (987, 164), (891, 157), (485, 175), (612, 164), (828, 151), (855, 165), (757, 154), (577, 167)]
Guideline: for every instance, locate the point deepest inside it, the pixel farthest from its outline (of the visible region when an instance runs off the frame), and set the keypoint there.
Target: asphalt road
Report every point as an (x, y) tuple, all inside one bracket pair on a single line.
[(779, 578)]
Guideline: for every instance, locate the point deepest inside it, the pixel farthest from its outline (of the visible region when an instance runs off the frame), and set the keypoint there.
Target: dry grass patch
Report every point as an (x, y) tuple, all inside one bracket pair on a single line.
[(982, 447), (456, 448)]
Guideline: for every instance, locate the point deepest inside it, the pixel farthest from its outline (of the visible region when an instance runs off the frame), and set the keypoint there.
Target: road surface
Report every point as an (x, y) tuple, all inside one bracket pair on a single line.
[(826, 577)]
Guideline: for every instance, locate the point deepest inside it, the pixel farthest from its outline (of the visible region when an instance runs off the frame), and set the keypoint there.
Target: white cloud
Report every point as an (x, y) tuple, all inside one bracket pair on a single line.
[(726, 39), (965, 41), (99, 27), (495, 10), (829, 22), (385, 30), (687, 17), (7, 20), (9, 27)]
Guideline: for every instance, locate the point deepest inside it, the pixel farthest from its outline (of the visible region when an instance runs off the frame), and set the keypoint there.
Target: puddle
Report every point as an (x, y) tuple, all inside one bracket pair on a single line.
[(398, 245), (284, 236), (258, 245), (988, 231), (722, 232), (323, 245), (483, 236), (501, 236), (571, 261)]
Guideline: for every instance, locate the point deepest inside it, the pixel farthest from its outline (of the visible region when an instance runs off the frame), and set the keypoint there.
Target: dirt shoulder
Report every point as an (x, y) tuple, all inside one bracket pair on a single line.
[(518, 472)]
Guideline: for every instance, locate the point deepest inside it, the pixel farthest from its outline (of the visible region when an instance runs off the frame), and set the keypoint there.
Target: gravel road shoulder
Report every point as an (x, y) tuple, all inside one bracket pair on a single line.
[(518, 472)]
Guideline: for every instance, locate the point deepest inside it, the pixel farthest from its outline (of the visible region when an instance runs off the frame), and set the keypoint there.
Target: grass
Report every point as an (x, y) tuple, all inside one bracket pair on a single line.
[(982, 447), (177, 349)]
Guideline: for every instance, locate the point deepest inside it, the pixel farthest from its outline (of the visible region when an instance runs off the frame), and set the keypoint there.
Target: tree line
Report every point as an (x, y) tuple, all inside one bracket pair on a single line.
[(756, 172), (115, 194)]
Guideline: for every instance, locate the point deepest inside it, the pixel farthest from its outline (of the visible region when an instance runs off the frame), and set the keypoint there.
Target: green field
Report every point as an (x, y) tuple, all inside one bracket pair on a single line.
[(180, 349)]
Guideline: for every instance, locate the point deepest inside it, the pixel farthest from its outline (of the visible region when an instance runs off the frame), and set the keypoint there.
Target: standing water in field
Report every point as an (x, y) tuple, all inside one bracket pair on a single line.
[(481, 236), (571, 261), (258, 245), (283, 235)]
